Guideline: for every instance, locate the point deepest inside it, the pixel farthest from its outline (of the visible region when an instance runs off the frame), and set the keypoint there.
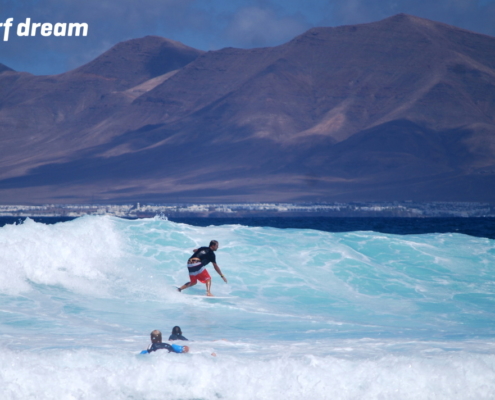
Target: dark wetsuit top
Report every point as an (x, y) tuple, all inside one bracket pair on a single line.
[(158, 346), (173, 336), (206, 255)]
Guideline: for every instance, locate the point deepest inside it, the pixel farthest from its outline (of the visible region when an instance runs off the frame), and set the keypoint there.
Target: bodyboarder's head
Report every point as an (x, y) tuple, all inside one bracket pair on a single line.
[(156, 336), (176, 330)]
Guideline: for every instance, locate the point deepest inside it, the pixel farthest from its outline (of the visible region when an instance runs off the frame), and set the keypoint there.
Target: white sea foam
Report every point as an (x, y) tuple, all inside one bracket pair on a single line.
[(77, 255), (119, 374)]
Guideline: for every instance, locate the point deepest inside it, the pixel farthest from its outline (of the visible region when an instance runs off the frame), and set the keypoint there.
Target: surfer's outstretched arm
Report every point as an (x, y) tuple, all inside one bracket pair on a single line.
[(219, 271)]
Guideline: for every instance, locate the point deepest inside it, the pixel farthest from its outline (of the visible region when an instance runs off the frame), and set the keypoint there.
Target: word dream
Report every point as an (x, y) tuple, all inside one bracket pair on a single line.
[(45, 29)]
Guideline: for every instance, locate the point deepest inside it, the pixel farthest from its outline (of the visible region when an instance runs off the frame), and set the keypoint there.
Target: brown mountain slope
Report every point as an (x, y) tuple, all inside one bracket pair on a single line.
[(135, 61), (398, 109), (50, 117), (338, 81)]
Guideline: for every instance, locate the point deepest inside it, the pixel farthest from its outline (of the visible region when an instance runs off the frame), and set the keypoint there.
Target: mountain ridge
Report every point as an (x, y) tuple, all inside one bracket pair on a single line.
[(300, 121)]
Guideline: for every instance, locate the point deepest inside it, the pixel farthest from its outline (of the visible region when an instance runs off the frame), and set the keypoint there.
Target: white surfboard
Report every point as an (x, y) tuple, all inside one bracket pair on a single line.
[(203, 296)]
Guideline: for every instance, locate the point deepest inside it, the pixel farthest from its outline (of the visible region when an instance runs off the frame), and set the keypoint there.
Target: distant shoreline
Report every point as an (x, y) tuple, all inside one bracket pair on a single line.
[(407, 209)]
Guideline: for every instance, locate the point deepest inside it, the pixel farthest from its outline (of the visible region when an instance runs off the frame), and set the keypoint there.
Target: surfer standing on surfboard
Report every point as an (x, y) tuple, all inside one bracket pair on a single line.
[(197, 267)]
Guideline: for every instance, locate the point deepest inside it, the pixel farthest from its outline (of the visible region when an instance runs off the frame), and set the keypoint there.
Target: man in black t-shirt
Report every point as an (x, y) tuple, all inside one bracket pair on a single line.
[(197, 267)]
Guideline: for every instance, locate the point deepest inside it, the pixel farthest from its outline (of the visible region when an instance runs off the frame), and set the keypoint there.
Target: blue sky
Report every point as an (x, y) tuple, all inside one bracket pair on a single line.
[(204, 24)]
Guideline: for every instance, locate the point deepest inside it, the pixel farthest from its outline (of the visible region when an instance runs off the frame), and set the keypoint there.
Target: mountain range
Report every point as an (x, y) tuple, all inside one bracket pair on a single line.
[(399, 109)]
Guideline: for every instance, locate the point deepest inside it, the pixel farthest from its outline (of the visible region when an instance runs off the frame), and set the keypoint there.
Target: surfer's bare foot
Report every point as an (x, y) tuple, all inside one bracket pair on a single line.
[(209, 294)]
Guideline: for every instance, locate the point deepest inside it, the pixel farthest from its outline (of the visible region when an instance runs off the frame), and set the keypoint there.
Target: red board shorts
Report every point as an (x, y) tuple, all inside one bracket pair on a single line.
[(203, 276)]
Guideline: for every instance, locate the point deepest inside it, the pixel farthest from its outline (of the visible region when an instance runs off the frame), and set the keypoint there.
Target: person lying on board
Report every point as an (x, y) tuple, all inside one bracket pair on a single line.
[(176, 334), (156, 344)]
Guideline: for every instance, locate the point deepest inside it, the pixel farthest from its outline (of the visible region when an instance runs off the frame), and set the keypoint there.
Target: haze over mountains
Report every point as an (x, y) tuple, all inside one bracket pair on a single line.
[(400, 109)]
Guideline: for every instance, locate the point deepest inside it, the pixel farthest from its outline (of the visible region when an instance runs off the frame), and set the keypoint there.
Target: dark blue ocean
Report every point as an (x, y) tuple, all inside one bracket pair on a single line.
[(481, 227), (314, 308)]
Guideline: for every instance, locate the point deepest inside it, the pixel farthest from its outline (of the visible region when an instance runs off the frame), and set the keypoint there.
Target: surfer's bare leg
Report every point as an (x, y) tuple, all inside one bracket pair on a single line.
[(186, 285), (208, 287)]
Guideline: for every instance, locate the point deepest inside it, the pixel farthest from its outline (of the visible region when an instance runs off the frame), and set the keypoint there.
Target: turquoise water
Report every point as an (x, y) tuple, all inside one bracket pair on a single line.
[(309, 314)]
